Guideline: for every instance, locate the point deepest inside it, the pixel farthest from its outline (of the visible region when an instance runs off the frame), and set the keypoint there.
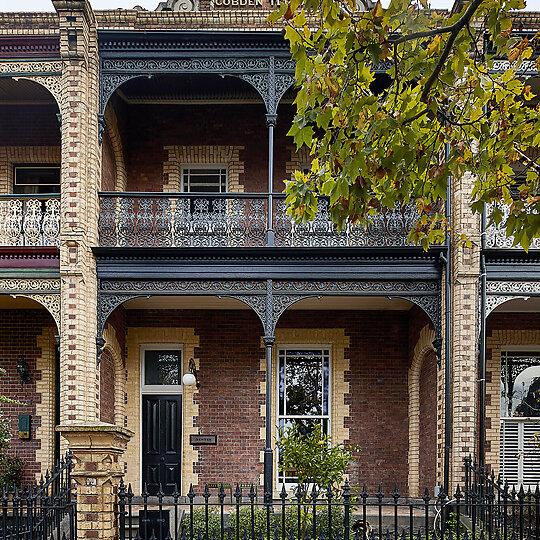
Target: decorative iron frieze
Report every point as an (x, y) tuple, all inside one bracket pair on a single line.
[(13, 286), (264, 74), (513, 288), (269, 299), (494, 301), (13, 69), (44, 291)]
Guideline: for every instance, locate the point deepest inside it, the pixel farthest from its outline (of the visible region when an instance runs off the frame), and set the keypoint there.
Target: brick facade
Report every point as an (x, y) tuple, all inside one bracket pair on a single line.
[(231, 396), (21, 335)]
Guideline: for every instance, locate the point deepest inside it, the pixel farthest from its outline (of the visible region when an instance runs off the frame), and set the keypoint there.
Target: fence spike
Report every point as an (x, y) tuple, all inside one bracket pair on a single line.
[(252, 494), (238, 493), (206, 493), (175, 493), (314, 494), (426, 498), (364, 493), (191, 493), (221, 493), (380, 493), (283, 492), (395, 495), (458, 495)]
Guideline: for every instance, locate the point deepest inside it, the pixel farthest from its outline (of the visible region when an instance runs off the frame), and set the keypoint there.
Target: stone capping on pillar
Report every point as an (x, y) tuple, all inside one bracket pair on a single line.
[(96, 437)]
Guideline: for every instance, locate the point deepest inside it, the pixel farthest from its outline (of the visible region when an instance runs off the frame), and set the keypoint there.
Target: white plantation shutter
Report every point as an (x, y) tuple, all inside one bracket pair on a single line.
[(531, 453), (510, 451), (520, 453)]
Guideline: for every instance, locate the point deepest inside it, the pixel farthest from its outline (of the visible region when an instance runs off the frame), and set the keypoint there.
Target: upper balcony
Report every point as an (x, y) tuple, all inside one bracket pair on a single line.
[(30, 156), (496, 235), (160, 220), (29, 220)]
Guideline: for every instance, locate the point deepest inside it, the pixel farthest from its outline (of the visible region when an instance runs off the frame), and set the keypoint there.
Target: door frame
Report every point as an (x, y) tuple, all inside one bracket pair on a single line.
[(163, 390)]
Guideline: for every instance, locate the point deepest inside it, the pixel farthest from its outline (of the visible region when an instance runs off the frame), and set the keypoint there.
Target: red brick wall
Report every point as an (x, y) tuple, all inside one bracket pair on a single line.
[(106, 391), (428, 423), (108, 165), (30, 125), (229, 399), (18, 333), (378, 398), (151, 127)]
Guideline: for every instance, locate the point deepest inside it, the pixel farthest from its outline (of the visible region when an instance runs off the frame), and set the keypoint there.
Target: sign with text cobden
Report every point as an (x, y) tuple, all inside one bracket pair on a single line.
[(195, 440), (244, 4)]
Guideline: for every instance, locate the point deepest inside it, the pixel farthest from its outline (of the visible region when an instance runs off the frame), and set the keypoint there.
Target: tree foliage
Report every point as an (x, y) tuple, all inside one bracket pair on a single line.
[(439, 109)]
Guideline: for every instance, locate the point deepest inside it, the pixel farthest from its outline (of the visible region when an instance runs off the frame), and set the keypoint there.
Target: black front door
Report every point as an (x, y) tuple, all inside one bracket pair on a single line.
[(161, 443)]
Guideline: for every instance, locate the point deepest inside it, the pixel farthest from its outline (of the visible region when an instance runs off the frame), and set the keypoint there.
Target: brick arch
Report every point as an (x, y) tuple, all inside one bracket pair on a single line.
[(423, 347), (112, 347), (113, 133)]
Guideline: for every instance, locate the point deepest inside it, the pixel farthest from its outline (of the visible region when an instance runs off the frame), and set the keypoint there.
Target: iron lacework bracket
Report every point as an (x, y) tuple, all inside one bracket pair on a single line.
[(270, 76), (269, 299)]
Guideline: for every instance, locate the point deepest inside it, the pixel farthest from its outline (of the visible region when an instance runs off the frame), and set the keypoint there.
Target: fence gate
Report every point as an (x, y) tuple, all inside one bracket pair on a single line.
[(45, 511)]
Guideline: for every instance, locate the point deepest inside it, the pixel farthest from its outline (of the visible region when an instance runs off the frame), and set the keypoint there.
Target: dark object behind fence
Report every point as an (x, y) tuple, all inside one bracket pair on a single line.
[(483, 509), (44, 511)]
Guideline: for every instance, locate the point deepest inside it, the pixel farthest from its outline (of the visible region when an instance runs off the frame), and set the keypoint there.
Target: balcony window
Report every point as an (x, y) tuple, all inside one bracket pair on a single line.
[(35, 178), (204, 179)]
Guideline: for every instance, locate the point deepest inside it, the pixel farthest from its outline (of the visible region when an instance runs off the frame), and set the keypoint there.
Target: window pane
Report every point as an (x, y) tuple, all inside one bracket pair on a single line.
[(304, 384), (162, 367), (520, 385), (211, 180), (36, 179)]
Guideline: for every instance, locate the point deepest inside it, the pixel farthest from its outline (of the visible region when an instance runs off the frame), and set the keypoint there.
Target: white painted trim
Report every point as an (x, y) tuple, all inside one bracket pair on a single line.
[(159, 390), (214, 165), (300, 347)]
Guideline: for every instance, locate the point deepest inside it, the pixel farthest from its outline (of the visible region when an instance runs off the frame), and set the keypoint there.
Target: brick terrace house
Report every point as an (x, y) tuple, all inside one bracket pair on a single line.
[(142, 156)]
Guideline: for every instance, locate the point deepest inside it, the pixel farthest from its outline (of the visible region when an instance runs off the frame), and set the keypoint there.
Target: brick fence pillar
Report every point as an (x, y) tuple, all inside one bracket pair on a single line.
[(98, 467)]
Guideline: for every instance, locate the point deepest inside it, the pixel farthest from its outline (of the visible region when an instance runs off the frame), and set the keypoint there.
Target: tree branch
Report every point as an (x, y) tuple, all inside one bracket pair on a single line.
[(457, 27)]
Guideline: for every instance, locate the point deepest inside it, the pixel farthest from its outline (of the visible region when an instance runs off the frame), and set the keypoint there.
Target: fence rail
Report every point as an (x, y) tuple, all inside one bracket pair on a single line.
[(481, 509), (29, 221), (235, 220), (44, 511)]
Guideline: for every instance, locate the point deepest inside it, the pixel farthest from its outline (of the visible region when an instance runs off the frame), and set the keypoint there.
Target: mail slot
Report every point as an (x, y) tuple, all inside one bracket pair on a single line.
[(24, 426)]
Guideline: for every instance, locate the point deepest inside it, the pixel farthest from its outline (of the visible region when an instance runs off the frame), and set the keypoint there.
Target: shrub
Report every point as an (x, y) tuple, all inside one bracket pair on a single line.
[(11, 469), (199, 522), (259, 515)]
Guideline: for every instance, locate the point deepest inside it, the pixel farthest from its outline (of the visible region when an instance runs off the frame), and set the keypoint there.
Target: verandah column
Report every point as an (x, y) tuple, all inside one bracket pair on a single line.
[(464, 324)]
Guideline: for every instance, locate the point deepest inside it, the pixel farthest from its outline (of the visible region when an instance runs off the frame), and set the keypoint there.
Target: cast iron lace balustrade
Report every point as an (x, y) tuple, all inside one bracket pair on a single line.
[(234, 220), (29, 220), (496, 235)]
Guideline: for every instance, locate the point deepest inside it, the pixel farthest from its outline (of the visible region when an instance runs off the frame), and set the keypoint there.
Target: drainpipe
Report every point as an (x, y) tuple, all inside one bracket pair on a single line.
[(447, 352), (482, 351)]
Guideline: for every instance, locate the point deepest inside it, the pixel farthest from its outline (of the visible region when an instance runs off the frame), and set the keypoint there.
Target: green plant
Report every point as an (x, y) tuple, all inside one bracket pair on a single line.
[(199, 523), (245, 525), (312, 459), (11, 469)]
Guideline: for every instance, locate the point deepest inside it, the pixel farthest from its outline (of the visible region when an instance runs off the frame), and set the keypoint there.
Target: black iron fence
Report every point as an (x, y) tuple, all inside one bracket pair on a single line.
[(481, 509), (43, 511), (497, 509)]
